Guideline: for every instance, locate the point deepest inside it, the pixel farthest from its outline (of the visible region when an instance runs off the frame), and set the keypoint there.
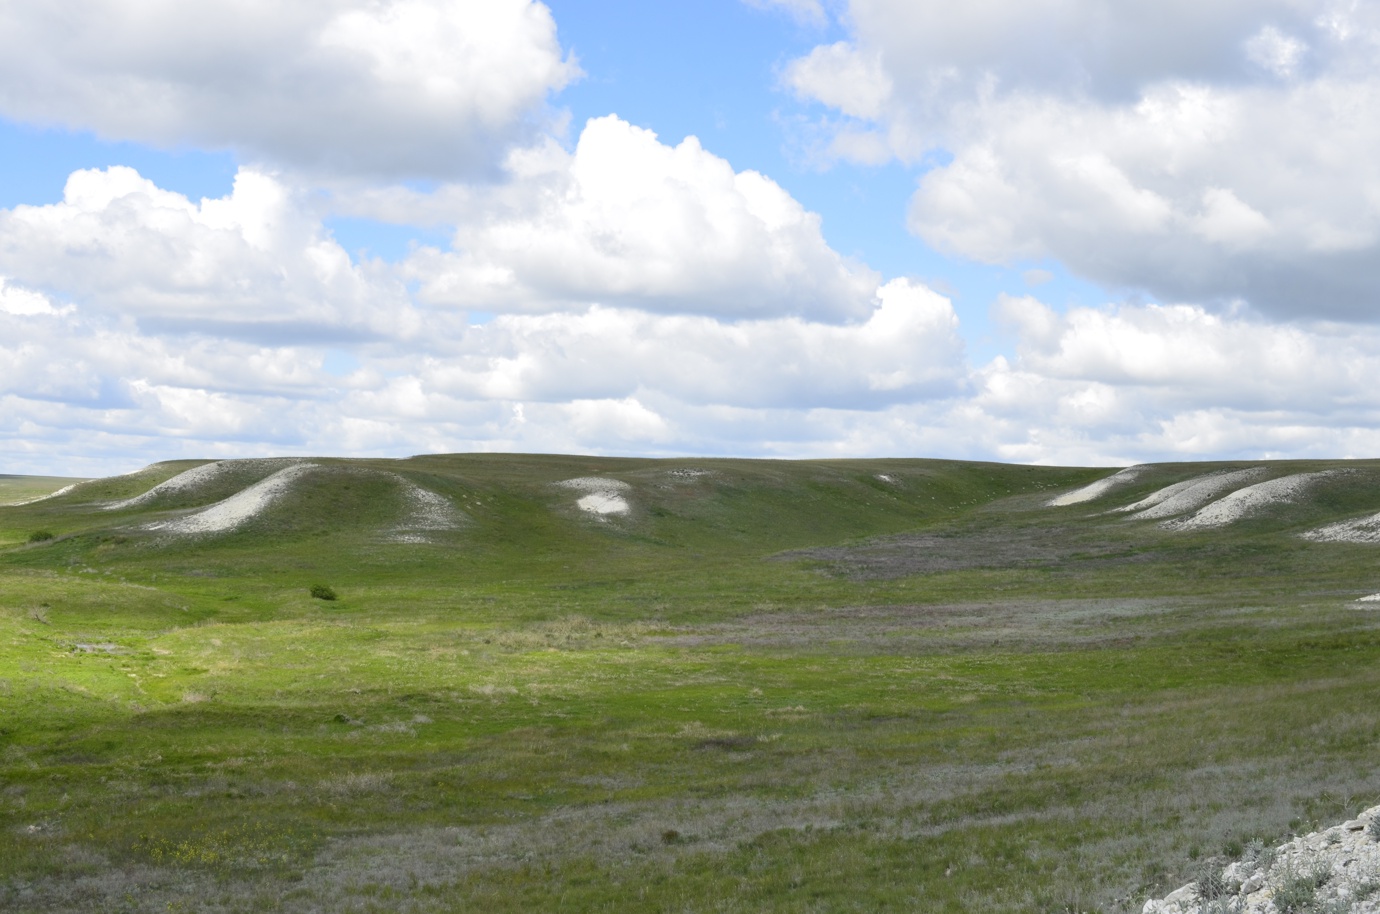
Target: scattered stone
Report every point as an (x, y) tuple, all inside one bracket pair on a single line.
[(1336, 870)]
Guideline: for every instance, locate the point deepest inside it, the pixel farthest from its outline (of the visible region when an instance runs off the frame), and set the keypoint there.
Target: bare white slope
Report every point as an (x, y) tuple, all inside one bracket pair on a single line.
[(179, 483), (1247, 501), (29, 501), (239, 508), (198, 476), (1190, 494), (77, 486), (602, 496), (1096, 489), (1361, 530), (429, 511)]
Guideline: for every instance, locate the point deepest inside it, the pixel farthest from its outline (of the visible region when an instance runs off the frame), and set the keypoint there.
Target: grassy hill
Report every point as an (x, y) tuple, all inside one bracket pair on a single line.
[(755, 686)]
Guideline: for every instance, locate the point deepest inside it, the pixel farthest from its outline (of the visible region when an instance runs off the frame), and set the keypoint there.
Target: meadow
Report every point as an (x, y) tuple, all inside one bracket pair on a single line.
[(853, 685)]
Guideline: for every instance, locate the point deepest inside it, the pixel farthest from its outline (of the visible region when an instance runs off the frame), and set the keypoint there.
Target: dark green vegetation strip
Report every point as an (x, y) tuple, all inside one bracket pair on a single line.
[(770, 687)]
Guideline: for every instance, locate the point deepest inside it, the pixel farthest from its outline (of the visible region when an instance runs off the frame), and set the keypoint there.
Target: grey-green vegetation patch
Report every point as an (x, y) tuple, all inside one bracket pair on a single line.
[(771, 686)]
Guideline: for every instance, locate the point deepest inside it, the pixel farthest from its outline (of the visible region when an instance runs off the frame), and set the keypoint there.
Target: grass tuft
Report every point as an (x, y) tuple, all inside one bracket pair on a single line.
[(1297, 893)]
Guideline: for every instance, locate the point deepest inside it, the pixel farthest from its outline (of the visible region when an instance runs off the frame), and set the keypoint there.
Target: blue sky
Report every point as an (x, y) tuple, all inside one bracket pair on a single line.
[(1007, 232)]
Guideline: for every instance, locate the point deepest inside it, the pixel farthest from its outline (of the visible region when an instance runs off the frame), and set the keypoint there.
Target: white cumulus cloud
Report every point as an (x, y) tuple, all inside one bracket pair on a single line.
[(1203, 152), (255, 262), (134, 320), (627, 220), (907, 349), (375, 87)]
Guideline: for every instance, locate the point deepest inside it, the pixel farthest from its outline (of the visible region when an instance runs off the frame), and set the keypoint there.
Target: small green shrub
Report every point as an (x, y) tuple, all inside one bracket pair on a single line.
[(1260, 855), (1298, 893), (1212, 885), (40, 536), (322, 592)]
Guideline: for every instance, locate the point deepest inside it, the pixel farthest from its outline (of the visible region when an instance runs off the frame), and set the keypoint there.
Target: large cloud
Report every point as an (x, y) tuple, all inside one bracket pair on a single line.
[(1164, 382), (601, 380), (136, 321), (624, 221), (908, 349), (1208, 152), (391, 87), (628, 220), (1093, 385), (255, 263)]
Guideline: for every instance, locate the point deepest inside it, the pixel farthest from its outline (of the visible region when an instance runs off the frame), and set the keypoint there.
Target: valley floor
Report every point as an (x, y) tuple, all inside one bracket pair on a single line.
[(764, 686)]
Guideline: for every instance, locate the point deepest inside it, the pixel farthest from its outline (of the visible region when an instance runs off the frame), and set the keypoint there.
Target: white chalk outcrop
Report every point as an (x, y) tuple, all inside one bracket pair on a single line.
[(85, 483), (601, 496), (1363, 530), (1096, 489), (1190, 494), (30, 501), (428, 512), (1245, 502), (178, 484), (239, 508), (198, 477), (1337, 870)]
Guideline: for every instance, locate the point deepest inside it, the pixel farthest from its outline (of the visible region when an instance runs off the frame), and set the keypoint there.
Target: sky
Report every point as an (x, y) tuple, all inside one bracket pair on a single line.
[(1078, 232)]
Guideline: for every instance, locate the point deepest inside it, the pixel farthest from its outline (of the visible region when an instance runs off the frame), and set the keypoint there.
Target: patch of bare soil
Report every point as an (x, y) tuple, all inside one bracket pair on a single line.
[(908, 628)]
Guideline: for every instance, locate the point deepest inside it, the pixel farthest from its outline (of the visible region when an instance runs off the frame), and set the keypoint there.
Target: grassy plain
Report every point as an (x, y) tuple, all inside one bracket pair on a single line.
[(774, 686)]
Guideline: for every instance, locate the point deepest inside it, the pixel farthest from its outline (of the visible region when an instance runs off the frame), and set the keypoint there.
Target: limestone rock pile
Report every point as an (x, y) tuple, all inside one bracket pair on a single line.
[(1327, 872)]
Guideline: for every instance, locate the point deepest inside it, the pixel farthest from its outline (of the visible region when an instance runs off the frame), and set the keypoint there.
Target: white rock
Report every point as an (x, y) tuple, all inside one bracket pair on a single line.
[(1183, 894), (1094, 489), (1190, 494), (239, 508), (1247, 501), (602, 496), (1347, 850)]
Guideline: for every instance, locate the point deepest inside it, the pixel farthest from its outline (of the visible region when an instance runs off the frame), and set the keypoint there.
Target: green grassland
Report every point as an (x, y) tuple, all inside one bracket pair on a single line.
[(772, 686)]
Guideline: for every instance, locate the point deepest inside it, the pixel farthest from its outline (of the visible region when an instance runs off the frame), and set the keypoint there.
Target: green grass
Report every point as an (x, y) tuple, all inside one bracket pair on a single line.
[(1062, 711)]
